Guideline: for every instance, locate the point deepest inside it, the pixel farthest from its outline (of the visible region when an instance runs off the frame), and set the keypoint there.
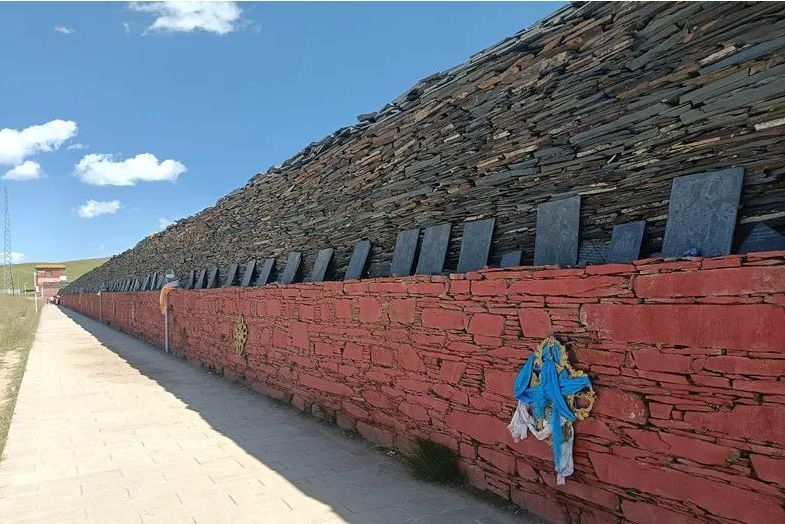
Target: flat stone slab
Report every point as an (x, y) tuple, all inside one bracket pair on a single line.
[(232, 275), (626, 241), (702, 213), (403, 254), (475, 245), (250, 268), (136, 435), (558, 228), (212, 278), (292, 267), (762, 238), (434, 249), (265, 270), (511, 258), (357, 263)]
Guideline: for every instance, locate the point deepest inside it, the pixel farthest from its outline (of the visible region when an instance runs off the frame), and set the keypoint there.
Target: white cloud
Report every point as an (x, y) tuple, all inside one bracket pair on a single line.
[(27, 170), (64, 30), (213, 17), (77, 147), (94, 208), (16, 146), (17, 257), (163, 223), (104, 170), (126, 27)]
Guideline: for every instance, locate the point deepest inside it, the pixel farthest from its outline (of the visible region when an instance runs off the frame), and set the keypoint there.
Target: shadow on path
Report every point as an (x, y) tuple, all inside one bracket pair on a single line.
[(360, 483)]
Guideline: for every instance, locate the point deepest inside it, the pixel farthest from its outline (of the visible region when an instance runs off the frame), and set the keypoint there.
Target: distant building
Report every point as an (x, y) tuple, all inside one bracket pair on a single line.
[(49, 278)]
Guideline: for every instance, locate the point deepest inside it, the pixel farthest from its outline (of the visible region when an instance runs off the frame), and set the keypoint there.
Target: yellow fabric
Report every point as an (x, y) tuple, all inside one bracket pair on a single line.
[(164, 298)]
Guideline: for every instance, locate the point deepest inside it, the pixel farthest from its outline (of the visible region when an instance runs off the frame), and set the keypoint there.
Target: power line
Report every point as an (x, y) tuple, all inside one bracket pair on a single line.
[(8, 273)]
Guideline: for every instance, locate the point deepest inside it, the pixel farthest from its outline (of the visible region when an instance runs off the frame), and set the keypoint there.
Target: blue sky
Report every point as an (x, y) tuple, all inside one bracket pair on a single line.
[(119, 117)]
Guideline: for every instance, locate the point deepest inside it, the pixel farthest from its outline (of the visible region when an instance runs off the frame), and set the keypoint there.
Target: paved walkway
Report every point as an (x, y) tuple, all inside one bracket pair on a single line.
[(108, 429)]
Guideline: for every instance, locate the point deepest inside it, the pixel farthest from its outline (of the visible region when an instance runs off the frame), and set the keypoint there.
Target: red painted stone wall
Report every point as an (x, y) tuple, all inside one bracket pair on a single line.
[(687, 358)]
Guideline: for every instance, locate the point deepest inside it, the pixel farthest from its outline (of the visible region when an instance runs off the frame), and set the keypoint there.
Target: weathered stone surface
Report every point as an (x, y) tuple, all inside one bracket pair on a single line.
[(321, 265), (476, 245), (626, 241), (265, 270), (359, 260), (557, 232), (433, 249), (405, 250), (292, 268)]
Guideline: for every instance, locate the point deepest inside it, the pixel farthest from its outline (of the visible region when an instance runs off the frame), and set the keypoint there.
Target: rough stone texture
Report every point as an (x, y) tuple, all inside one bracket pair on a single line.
[(689, 424), (606, 101)]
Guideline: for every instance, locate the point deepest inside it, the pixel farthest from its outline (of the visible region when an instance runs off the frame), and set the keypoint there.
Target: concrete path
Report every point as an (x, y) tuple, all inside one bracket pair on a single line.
[(109, 429)]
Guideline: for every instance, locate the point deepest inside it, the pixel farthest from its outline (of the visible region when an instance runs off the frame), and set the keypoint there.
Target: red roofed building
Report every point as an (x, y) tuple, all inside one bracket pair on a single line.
[(49, 278)]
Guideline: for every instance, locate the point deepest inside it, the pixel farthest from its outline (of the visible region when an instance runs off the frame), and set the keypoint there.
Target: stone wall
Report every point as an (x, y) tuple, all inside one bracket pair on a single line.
[(608, 101), (687, 358)]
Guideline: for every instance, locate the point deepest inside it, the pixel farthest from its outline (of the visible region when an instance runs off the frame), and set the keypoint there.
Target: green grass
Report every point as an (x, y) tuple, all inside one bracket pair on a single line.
[(23, 273), (434, 462), (18, 322)]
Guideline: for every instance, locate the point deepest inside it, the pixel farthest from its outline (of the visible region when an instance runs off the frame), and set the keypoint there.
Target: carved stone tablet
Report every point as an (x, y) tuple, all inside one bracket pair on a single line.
[(476, 245), (200, 277), (626, 241), (292, 265), (593, 252), (146, 283), (358, 261), (189, 284), (154, 282), (702, 213), (320, 265), (433, 249), (265, 270), (762, 238), (250, 267), (231, 276), (403, 255), (212, 278), (511, 258), (558, 225)]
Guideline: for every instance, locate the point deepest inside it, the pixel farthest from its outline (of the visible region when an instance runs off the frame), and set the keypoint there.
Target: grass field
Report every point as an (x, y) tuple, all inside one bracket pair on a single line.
[(18, 322), (23, 273)]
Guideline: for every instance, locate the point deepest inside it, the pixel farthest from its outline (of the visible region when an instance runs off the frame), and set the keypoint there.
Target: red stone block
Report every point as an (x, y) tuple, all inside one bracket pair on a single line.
[(343, 309), (402, 310), (382, 356), (388, 287), (427, 288), (620, 404), (535, 322), (370, 309), (729, 281), (409, 359), (769, 469), (657, 410), (325, 385), (766, 387), (376, 399), (609, 269), (761, 423), (479, 426), (377, 435), (486, 324), (299, 331), (750, 327), (746, 366), (355, 411), (595, 427), (527, 472), (417, 386), (716, 497), (451, 371), (353, 351), (443, 318), (659, 361), (547, 507), (489, 288), (414, 411), (696, 449), (323, 348), (450, 392), (459, 287), (500, 382), (645, 513), (499, 460), (566, 286)]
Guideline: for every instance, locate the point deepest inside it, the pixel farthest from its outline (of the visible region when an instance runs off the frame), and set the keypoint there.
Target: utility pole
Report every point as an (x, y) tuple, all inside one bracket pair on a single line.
[(8, 272)]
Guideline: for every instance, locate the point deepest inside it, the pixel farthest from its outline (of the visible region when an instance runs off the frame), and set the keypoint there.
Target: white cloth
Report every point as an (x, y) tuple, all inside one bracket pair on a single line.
[(522, 422)]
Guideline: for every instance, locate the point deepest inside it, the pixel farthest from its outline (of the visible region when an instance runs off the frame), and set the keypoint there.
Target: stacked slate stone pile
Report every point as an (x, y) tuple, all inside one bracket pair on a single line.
[(607, 101)]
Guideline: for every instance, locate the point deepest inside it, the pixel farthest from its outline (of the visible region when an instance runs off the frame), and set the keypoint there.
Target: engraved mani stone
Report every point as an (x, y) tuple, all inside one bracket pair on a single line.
[(558, 225), (265, 270), (292, 265), (146, 283), (511, 258), (320, 265), (200, 279), (359, 259), (433, 249), (189, 284), (476, 245), (231, 276), (626, 241), (702, 213), (403, 254), (592, 252), (250, 267), (212, 278), (762, 238)]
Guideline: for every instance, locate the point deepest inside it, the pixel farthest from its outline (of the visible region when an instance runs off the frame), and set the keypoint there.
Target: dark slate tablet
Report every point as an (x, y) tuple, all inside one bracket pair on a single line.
[(593, 252), (323, 258), (558, 224), (476, 245), (189, 284), (292, 266), (212, 278), (626, 241), (200, 278), (762, 238), (433, 249), (231, 276), (403, 255), (250, 267), (146, 283), (511, 258), (702, 213), (358, 261), (265, 270), (154, 282)]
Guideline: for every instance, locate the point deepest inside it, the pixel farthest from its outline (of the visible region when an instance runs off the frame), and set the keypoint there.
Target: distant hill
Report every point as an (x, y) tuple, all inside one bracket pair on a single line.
[(73, 268)]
